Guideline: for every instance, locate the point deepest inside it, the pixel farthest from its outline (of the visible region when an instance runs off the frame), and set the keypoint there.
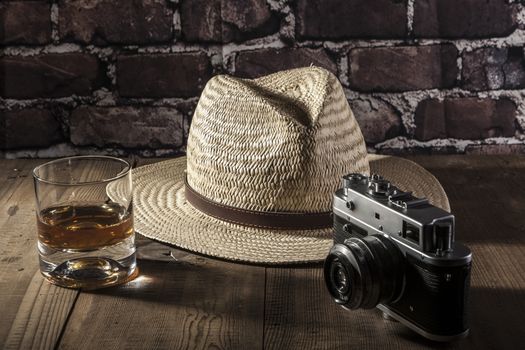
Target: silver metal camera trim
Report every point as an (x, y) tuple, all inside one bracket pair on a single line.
[(412, 326), (363, 206)]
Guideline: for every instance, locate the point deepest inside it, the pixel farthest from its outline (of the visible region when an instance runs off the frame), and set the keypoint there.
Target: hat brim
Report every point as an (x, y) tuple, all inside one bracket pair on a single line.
[(161, 212)]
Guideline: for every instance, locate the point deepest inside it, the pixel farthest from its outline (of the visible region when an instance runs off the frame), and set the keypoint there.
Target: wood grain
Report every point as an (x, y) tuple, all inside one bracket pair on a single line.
[(180, 301), (18, 256), (300, 314), (35, 312), (186, 301), (487, 195), (41, 315)]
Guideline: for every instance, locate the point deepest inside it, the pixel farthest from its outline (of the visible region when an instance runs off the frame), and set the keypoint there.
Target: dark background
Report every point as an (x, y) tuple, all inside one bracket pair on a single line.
[(123, 76)]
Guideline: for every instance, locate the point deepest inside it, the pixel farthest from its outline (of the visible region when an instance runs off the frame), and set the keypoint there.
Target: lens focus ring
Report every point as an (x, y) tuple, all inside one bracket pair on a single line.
[(340, 278), (363, 272)]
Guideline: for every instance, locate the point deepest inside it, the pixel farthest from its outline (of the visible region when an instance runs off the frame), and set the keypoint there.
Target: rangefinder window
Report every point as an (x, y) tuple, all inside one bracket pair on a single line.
[(411, 232), (356, 230)]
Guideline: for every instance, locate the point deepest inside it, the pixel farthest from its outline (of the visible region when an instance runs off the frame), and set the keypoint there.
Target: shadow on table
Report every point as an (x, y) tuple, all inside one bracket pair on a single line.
[(297, 302), (495, 322), (295, 299), (205, 287)]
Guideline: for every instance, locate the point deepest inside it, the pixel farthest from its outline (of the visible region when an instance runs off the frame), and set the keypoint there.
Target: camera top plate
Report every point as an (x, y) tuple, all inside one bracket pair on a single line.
[(378, 206)]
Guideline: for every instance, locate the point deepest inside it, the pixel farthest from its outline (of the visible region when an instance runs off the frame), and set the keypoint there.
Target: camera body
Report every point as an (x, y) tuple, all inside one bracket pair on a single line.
[(397, 252)]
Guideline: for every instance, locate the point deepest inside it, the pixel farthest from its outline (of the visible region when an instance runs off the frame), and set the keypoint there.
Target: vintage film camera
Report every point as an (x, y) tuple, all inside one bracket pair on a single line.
[(397, 252)]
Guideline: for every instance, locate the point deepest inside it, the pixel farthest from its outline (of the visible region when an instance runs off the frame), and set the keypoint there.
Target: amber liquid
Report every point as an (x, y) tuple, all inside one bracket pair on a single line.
[(85, 227)]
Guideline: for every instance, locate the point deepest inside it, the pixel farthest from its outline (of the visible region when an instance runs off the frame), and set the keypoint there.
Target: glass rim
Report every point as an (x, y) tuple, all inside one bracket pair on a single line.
[(121, 174)]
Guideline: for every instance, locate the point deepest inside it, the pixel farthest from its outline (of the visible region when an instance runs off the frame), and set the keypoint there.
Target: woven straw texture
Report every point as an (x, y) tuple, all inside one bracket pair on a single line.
[(277, 143), (162, 213)]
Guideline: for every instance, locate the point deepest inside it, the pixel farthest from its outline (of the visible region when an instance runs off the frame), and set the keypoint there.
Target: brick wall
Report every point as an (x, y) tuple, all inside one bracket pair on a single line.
[(124, 76)]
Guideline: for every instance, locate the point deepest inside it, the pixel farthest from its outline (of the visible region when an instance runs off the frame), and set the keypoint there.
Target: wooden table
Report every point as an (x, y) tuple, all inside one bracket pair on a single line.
[(185, 301)]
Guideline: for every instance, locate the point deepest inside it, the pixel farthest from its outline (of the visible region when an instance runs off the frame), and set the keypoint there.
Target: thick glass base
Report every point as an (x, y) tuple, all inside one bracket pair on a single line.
[(99, 268)]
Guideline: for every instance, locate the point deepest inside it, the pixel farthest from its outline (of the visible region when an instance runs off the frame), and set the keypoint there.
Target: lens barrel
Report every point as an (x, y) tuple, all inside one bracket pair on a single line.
[(364, 272)]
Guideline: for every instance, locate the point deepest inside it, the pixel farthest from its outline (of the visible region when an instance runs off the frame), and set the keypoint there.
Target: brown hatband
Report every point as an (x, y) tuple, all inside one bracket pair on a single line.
[(259, 219)]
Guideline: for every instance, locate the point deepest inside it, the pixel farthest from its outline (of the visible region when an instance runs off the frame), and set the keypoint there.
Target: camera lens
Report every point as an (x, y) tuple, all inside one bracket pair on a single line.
[(339, 277), (364, 272)]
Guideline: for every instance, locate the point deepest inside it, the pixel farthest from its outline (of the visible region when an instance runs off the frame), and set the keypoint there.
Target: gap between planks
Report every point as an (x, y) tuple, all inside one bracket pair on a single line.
[(42, 315)]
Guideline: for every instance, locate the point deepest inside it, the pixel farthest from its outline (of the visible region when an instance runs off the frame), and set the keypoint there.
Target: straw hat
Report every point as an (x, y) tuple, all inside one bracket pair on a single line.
[(264, 158)]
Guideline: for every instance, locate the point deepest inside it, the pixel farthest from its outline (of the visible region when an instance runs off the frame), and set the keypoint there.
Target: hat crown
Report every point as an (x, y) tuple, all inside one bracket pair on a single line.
[(277, 143)]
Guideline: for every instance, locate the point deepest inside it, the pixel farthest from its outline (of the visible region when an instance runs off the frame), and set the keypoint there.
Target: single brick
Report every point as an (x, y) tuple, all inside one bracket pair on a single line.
[(343, 19), (50, 75), (494, 68), (430, 120), (465, 118), (415, 150), (261, 62), (377, 119), (28, 128), (403, 68), (201, 20), (245, 19), (129, 126), (115, 21), (463, 18), (167, 75), (495, 149), (226, 20), (27, 22)]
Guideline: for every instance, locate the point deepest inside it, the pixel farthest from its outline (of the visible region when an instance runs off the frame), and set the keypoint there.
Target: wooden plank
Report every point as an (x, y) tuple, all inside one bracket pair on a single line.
[(300, 314), (180, 300), (189, 303), (18, 255), (41, 315), (486, 194), (487, 197), (34, 311), (186, 301)]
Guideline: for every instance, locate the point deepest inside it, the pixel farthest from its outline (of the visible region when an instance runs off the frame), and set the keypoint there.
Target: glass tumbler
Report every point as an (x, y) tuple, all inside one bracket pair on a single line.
[(85, 221)]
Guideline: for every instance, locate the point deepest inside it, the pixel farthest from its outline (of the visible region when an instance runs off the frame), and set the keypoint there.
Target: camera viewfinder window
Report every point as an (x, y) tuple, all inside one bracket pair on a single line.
[(411, 232), (356, 230)]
